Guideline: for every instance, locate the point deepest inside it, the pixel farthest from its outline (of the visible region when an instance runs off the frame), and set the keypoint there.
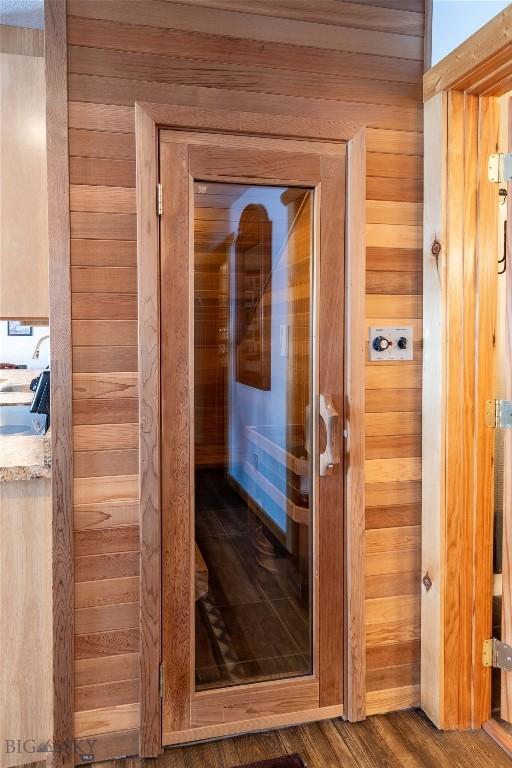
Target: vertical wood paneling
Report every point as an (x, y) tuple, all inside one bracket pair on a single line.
[(149, 438), (353, 55), (61, 380)]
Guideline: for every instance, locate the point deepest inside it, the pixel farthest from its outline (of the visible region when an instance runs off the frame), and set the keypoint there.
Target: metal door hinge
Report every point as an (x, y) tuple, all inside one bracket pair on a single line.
[(497, 654), (161, 680), (498, 414), (159, 200), (499, 169)]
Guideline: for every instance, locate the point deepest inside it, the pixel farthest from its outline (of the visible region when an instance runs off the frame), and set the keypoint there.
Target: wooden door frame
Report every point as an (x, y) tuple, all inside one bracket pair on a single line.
[(460, 250), (187, 714), (148, 119)]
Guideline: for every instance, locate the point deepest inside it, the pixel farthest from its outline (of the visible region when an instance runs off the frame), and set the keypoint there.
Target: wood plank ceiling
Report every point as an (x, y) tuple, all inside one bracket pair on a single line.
[(360, 61)]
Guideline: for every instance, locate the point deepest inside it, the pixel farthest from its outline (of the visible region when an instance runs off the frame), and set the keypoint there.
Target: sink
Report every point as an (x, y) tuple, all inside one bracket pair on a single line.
[(17, 420)]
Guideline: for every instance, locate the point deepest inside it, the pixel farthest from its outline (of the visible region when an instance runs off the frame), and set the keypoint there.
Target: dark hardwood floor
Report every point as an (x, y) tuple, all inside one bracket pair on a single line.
[(398, 740), (253, 622)]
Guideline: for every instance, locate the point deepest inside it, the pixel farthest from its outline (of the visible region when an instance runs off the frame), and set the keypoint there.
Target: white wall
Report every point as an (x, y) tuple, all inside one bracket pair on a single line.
[(19, 349)]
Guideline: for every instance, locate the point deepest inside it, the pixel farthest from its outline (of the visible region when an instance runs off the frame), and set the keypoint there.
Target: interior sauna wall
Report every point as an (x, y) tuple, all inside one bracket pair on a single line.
[(355, 61)]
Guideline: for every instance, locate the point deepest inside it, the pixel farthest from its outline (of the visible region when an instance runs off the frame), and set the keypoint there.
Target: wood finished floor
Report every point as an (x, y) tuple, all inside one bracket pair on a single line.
[(253, 623), (398, 740)]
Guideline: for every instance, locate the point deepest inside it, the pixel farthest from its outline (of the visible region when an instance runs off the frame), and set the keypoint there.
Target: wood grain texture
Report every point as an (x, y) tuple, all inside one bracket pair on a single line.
[(243, 25), (400, 739), (98, 33), (24, 240), (355, 661), (347, 73), (331, 544), (486, 244), (506, 619), (459, 368), (175, 408), (106, 720), (149, 437), (338, 13), (26, 700), (175, 71), (109, 668), (61, 387), (23, 41)]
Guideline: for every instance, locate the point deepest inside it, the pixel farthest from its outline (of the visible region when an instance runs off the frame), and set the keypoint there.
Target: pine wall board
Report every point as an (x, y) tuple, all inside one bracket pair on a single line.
[(357, 61)]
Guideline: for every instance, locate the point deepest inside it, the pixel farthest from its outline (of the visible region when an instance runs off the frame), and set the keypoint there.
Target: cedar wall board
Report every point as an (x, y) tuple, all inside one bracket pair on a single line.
[(335, 59)]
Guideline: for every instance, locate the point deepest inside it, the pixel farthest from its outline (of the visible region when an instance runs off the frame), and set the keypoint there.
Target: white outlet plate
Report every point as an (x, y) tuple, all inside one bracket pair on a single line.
[(393, 352)]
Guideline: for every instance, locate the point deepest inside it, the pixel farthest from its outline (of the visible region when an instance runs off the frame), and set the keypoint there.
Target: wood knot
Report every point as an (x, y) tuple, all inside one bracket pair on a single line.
[(436, 248), (427, 581)]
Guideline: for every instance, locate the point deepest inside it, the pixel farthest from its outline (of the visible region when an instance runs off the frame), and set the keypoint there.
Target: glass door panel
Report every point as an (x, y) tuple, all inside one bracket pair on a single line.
[(252, 382)]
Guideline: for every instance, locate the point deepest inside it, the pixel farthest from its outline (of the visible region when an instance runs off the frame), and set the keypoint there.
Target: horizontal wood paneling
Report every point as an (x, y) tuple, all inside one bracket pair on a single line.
[(393, 515), (106, 720), (391, 494), (111, 566), (356, 62), (90, 594), (91, 490), (92, 437), (193, 45), (335, 12), (101, 618), (103, 226), (104, 644), (107, 694), (105, 540), (104, 306), (103, 253), (106, 514), (108, 411), (104, 144), (243, 25), (99, 199), (393, 584), (101, 171), (106, 385), (123, 91), (173, 71), (106, 669)]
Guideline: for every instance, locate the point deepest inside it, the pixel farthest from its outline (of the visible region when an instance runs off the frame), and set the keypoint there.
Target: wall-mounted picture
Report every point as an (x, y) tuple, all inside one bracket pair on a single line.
[(16, 328), (253, 281)]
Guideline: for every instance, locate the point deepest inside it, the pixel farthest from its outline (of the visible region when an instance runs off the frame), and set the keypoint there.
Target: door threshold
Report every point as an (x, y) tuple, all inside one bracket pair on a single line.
[(208, 732)]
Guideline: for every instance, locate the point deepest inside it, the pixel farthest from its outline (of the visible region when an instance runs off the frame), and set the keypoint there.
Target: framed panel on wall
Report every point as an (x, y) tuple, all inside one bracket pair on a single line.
[(253, 267)]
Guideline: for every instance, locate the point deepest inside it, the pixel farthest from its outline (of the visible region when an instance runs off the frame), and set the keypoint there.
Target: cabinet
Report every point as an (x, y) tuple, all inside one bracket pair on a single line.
[(23, 206), (25, 619)]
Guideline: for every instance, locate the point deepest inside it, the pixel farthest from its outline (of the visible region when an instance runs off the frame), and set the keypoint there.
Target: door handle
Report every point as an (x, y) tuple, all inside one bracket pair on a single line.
[(331, 418)]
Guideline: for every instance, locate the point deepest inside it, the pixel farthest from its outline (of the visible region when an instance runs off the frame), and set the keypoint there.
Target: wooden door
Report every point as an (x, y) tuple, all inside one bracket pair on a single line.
[(252, 475), (506, 628)]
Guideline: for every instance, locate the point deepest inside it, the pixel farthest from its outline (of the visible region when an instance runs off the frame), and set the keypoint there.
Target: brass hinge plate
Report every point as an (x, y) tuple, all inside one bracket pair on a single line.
[(159, 200), (497, 654), (498, 414), (499, 169)]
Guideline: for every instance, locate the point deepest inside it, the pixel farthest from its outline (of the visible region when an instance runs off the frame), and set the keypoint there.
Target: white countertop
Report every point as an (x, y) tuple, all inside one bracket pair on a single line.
[(22, 457)]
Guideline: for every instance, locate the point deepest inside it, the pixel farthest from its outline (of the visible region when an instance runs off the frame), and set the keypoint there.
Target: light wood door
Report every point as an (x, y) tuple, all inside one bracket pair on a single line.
[(252, 345), (506, 628)]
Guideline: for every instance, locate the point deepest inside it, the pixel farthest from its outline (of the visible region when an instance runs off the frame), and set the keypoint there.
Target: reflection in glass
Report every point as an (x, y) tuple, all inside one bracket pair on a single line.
[(252, 390)]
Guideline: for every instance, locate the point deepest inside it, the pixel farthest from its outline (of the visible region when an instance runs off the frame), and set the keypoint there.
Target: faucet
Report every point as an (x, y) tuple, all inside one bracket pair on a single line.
[(35, 356)]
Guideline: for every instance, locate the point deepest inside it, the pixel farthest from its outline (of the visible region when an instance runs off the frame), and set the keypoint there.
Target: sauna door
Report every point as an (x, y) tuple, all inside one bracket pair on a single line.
[(252, 259)]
